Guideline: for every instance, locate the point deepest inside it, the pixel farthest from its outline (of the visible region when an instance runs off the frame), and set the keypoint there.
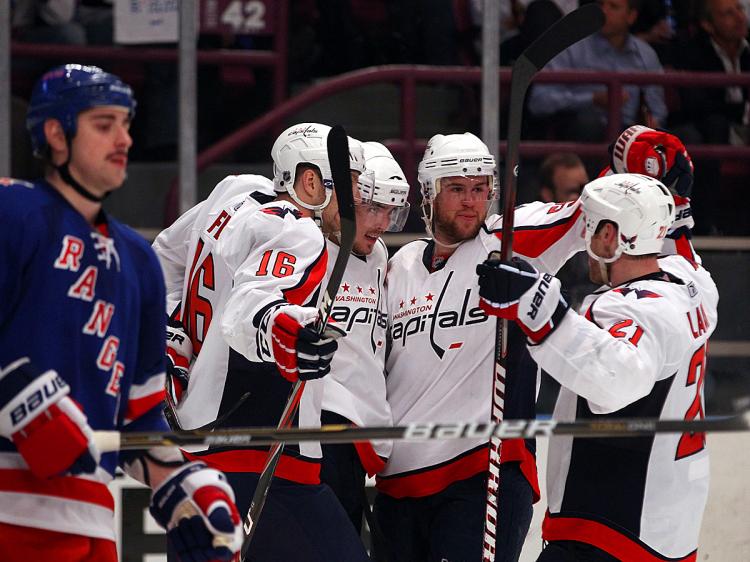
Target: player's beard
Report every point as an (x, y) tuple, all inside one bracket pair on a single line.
[(450, 231)]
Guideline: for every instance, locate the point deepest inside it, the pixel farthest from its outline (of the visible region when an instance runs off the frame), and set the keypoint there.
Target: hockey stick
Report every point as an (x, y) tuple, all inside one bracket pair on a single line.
[(338, 156), (562, 34), (108, 441)]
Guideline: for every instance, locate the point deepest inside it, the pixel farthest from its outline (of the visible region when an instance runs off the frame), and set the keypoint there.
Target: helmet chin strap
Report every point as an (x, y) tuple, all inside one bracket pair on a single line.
[(82, 191), (604, 271), (603, 263), (66, 176)]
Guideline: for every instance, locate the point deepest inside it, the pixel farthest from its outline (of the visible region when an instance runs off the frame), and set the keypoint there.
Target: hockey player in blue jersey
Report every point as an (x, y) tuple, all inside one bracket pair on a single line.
[(82, 345)]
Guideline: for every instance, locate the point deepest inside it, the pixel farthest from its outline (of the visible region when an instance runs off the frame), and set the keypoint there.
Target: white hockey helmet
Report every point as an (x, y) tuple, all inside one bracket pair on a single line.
[(641, 207), (454, 155), (387, 186), (356, 155), (304, 143), (450, 156)]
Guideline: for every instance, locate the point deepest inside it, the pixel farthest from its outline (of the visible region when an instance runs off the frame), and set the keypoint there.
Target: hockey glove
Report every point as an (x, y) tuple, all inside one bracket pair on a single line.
[(299, 350), (179, 353), (661, 155), (516, 291), (196, 507), (46, 426)]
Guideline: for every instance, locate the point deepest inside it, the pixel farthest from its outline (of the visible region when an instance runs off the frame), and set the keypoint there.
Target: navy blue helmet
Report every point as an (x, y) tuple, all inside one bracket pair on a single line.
[(65, 91)]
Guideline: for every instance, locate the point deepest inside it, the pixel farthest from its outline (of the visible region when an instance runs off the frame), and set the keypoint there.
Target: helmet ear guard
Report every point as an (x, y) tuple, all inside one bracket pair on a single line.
[(65, 91)]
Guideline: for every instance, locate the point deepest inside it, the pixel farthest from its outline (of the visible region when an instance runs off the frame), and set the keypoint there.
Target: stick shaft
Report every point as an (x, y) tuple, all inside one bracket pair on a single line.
[(570, 29), (509, 429)]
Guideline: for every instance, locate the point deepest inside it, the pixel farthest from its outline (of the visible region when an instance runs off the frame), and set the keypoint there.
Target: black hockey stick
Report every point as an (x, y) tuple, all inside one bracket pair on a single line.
[(170, 410), (107, 441), (577, 25), (338, 156)]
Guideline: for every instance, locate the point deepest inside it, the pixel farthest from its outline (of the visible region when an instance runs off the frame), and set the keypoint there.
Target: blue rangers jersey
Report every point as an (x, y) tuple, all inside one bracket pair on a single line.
[(87, 302)]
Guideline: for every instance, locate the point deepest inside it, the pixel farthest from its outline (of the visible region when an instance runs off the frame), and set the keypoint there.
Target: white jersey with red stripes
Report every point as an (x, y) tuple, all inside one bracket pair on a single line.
[(639, 350), (355, 388), (173, 244), (440, 367), (243, 257), (86, 302)]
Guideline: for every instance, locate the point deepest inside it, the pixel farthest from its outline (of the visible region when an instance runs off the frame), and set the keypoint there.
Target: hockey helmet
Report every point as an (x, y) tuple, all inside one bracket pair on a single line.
[(454, 155), (383, 185), (65, 91), (306, 143), (450, 156), (640, 206)]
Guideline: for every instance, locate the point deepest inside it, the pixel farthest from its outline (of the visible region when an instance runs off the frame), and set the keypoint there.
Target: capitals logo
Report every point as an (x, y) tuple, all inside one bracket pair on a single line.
[(433, 317), (362, 308)]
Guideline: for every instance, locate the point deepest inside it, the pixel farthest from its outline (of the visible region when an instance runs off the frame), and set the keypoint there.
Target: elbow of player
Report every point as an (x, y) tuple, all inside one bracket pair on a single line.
[(626, 384)]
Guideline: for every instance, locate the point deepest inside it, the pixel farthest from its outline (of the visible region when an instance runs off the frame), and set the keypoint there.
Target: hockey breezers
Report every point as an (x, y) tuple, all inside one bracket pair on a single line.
[(108, 441), (338, 156), (562, 34)]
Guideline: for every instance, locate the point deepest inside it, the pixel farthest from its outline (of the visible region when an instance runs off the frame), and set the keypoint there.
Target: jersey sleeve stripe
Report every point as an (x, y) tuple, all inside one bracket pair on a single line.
[(66, 487), (371, 462), (533, 240), (145, 396), (311, 279)]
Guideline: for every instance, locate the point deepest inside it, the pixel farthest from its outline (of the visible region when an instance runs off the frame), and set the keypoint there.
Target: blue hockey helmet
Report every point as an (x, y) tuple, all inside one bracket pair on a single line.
[(65, 91)]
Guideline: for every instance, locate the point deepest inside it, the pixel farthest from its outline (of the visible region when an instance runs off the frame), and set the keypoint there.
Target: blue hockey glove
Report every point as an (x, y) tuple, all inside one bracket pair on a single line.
[(196, 507)]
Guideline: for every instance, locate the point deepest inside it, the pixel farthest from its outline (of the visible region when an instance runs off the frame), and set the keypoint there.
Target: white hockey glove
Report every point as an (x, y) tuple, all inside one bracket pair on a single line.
[(516, 291), (46, 426), (196, 507)]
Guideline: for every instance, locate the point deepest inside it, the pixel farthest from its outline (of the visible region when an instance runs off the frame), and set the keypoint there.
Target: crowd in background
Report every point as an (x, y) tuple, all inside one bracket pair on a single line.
[(329, 37)]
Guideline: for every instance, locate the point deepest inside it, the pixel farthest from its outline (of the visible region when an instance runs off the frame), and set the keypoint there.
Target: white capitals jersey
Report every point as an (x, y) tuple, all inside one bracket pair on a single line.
[(243, 258), (440, 367), (638, 351), (355, 388)]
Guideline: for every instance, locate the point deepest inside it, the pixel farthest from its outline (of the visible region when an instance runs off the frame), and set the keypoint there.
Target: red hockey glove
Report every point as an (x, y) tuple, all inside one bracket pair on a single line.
[(300, 352), (48, 429), (516, 291), (196, 507), (661, 155), (179, 354)]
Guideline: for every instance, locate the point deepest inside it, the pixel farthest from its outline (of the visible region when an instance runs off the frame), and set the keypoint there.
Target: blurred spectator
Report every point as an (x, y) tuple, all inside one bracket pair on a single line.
[(540, 14), (47, 21), (70, 22), (717, 115), (96, 18), (657, 25), (579, 110), (513, 13), (562, 176)]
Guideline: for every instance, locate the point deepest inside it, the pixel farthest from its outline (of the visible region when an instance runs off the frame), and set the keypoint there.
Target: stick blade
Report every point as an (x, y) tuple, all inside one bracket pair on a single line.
[(566, 31)]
